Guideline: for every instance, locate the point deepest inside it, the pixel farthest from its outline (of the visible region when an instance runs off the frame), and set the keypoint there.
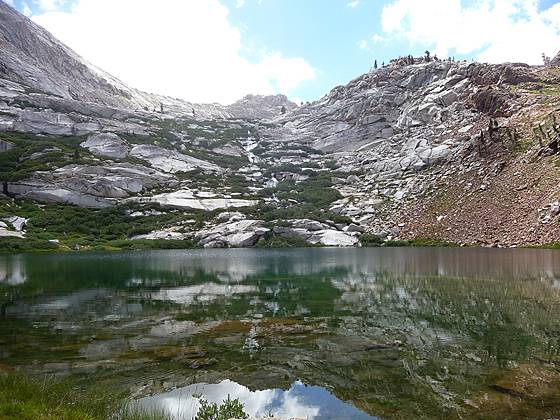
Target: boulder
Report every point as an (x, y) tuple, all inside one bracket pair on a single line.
[(242, 233), (308, 224), (446, 98), (171, 161), (17, 222), (106, 144), (335, 238), (89, 185), (5, 233), (165, 234), (353, 228), (186, 199), (44, 123)]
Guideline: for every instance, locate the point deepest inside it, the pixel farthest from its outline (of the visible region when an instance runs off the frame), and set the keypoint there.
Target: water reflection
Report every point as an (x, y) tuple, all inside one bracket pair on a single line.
[(235, 266), (205, 292), (302, 401), (12, 270), (402, 330)]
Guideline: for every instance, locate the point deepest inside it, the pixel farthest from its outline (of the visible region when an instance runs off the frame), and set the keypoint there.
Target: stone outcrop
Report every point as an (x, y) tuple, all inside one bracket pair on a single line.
[(389, 142), (242, 233), (555, 62), (107, 144), (261, 107), (187, 199), (88, 186), (6, 232), (169, 160), (316, 233)]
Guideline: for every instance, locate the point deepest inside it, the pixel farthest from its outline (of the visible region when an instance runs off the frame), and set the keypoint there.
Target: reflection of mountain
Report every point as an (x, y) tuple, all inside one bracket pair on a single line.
[(201, 293), (362, 322), (234, 266), (12, 270), (309, 402)]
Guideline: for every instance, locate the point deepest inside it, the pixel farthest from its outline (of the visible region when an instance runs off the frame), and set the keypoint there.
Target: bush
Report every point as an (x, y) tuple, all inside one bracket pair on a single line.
[(25, 245), (284, 242), (229, 409), (369, 240), (142, 244)]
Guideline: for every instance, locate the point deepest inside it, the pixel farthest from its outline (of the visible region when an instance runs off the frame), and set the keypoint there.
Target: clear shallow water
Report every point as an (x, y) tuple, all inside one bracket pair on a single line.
[(389, 332)]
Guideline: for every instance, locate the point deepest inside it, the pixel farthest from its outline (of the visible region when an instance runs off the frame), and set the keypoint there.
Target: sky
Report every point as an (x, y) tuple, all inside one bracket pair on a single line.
[(221, 50)]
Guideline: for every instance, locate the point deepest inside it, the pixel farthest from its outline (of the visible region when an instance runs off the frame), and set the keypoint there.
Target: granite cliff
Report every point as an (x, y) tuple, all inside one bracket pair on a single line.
[(446, 151)]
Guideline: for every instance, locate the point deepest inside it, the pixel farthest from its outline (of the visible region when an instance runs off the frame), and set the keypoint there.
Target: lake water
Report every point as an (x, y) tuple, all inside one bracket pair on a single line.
[(314, 333)]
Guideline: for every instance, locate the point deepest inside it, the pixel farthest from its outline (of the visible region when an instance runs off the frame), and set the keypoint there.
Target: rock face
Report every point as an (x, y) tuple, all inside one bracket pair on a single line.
[(171, 161), (556, 60), (88, 186), (187, 199), (107, 144), (27, 58), (317, 233), (242, 233), (261, 107), (408, 150)]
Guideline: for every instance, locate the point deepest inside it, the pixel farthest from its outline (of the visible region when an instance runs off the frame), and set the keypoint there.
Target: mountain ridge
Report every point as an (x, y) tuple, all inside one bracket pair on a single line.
[(27, 54), (436, 150)]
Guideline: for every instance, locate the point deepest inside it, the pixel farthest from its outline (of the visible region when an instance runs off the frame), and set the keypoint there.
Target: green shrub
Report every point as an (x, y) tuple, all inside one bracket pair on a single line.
[(369, 240), (25, 245), (397, 243), (276, 241), (140, 244), (229, 409)]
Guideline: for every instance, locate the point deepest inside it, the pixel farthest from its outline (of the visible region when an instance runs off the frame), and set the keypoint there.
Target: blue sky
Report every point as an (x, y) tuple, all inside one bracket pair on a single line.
[(325, 33), (299, 47)]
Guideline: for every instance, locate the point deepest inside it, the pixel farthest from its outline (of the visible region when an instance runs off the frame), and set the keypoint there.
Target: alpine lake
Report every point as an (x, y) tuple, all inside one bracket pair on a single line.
[(311, 333)]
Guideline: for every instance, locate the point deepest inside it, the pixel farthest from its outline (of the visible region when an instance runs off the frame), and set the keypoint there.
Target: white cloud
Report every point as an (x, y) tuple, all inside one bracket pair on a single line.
[(490, 30), (186, 49), (26, 10), (377, 38), (353, 3), (239, 3), (363, 45), (48, 5)]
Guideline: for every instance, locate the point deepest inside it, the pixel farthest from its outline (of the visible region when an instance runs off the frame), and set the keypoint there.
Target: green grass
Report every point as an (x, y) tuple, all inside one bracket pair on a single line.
[(308, 199), (15, 165), (26, 398), (23, 398), (81, 228)]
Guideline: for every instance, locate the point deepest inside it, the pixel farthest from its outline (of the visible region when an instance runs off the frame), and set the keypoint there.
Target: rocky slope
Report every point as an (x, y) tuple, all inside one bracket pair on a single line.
[(32, 57), (451, 151)]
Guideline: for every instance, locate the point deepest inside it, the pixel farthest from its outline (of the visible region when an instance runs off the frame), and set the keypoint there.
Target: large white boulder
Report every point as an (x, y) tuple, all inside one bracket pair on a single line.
[(106, 144), (171, 161)]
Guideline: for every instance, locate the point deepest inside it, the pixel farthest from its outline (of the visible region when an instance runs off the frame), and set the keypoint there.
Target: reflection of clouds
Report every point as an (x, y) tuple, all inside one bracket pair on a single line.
[(12, 270), (300, 401), (74, 300), (201, 293)]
